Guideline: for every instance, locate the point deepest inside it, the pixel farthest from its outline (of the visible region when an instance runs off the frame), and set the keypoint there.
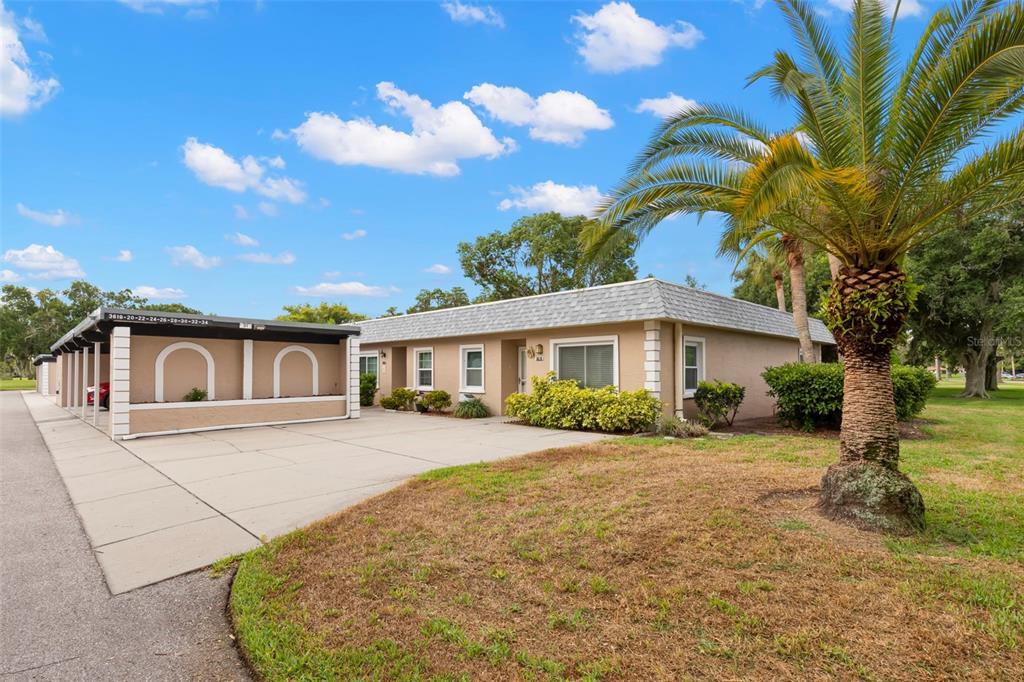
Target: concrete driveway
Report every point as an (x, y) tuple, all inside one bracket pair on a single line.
[(161, 506)]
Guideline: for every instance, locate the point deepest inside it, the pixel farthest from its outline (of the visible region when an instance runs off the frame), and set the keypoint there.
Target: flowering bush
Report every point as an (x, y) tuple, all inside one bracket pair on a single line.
[(565, 405)]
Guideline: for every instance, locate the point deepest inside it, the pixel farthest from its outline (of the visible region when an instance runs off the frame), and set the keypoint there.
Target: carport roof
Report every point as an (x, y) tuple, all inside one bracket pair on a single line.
[(96, 328), (40, 359)]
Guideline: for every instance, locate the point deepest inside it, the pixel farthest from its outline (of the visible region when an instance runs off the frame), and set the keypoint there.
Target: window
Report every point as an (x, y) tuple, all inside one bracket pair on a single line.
[(369, 363), (425, 369), (693, 364), (472, 368), (593, 363)]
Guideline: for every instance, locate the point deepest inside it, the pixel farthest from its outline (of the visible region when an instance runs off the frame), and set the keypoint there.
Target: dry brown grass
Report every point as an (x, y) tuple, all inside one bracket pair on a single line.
[(635, 562)]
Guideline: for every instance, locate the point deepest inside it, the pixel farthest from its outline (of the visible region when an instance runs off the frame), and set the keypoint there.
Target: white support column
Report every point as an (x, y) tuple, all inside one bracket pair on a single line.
[(85, 380), (652, 357), (352, 394), (120, 366), (247, 369), (76, 383), (96, 382)]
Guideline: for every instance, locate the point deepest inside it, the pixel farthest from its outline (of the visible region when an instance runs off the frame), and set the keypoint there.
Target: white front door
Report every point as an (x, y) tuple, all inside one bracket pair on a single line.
[(522, 369)]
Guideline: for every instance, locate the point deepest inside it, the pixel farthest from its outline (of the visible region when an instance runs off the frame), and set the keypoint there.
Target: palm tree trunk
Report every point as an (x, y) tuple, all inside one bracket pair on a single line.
[(780, 291), (833, 265), (867, 309), (798, 293)]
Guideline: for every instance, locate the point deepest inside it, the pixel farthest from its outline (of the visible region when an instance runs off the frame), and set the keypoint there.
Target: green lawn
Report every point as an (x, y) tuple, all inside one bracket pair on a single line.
[(17, 384), (654, 559)]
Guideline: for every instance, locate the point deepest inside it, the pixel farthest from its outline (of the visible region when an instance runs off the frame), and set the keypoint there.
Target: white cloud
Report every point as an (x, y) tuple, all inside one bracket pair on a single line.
[(274, 161), (354, 234), (616, 39), (215, 167), (440, 137), (21, 89), (279, 134), (561, 117), (157, 6), (267, 208), (908, 8), (124, 256), (43, 262), (159, 293), (9, 276), (473, 14), (663, 107), (241, 239), (283, 258), (34, 30), (58, 218), (335, 289), (241, 212), (438, 269), (569, 200), (190, 255)]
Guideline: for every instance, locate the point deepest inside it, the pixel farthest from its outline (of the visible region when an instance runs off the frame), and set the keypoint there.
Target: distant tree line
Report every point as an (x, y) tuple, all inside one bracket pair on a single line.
[(31, 321)]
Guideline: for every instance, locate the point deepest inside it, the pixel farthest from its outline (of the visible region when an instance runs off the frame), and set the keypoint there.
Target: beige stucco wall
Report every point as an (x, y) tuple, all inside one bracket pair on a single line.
[(211, 414), (740, 358), (501, 359), (185, 368), (297, 370)]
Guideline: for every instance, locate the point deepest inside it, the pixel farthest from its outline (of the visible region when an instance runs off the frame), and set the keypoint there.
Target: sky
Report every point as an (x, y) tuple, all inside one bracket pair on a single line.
[(238, 157)]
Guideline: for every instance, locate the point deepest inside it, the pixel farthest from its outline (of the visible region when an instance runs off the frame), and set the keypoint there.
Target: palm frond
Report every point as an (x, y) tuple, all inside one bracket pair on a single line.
[(869, 77)]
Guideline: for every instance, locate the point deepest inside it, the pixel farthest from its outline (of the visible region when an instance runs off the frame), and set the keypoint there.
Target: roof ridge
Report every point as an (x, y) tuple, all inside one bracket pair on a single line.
[(517, 298), (736, 300)]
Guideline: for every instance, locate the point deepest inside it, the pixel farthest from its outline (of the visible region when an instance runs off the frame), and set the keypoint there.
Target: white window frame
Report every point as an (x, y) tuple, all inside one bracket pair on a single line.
[(701, 362), (373, 354), (463, 386), (416, 368), (588, 341)]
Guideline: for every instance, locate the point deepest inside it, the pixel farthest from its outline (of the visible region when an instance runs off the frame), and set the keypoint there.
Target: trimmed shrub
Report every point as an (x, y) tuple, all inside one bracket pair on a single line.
[(436, 400), (471, 408), (671, 425), (565, 405), (195, 395), (400, 399), (717, 402), (911, 387), (367, 389), (810, 396)]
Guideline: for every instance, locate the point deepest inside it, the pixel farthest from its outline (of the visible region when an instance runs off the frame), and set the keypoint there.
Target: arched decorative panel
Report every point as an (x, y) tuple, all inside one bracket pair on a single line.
[(183, 345), (277, 368)]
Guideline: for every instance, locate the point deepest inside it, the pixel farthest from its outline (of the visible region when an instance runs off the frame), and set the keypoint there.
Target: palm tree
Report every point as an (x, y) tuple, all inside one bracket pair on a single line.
[(784, 251), (882, 155), (761, 265)]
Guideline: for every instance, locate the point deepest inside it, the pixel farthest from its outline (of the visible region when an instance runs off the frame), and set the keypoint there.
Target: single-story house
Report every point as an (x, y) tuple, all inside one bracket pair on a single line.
[(646, 334), (248, 372)]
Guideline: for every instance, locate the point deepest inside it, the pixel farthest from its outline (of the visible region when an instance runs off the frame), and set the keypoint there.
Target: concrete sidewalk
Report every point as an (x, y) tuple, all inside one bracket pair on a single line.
[(58, 621), (160, 506)]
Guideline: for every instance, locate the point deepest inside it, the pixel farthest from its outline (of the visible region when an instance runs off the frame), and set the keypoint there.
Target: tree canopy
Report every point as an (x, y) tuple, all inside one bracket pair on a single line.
[(324, 313), (437, 299), (969, 280), (540, 254), (30, 322)]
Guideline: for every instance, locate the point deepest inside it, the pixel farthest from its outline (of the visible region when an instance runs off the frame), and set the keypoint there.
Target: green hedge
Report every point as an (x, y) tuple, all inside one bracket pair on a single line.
[(718, 402), (810, 396), (367, 389), (565, 405)]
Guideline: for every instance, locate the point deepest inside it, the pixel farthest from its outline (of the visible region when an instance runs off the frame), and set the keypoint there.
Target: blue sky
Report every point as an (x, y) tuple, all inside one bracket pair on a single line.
[(240, 156)]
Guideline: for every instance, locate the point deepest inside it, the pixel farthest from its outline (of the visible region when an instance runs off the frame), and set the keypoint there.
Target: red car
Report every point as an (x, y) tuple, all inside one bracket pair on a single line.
[(104, 394)]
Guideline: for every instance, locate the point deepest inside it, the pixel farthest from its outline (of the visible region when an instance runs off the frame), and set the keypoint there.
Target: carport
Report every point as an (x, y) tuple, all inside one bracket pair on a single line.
[(177, 373)]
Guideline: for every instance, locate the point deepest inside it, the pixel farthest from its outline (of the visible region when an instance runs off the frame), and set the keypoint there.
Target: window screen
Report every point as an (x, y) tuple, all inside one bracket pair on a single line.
[(692, 370), (474, 368), (425, 368), (590, 366), (368, 364)]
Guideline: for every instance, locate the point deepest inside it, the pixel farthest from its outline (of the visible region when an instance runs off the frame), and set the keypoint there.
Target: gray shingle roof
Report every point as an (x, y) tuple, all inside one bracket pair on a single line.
[(645, 299)]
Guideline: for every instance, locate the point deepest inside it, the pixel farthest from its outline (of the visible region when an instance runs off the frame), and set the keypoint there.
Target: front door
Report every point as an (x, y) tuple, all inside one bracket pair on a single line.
[(522, 369)]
